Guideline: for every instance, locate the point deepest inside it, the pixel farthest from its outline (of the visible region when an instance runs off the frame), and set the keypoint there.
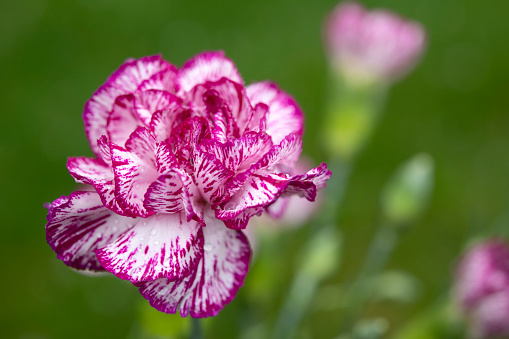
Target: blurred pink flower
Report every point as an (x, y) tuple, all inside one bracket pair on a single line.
[(372, 46), (184, 158), (482, 288)]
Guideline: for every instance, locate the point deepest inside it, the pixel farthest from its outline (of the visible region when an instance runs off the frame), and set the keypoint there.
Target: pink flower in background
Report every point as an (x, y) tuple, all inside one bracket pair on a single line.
[(372, 46), (482, 288), (184, 158)]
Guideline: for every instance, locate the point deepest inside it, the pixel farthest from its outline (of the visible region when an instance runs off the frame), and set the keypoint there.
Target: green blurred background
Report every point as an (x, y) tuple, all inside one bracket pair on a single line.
[(55, 53)]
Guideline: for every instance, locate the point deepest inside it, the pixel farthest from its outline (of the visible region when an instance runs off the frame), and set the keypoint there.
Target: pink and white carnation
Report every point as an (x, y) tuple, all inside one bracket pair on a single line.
[(372, 46), (184, 157)]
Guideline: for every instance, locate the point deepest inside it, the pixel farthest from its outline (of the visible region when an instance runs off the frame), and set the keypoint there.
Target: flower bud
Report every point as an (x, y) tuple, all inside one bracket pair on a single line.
[(481, 288), (407, 193), (372, 46)]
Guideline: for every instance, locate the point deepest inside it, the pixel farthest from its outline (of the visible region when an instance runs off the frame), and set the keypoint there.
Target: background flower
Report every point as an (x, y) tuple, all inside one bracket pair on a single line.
[(482, 288), (372, 46)]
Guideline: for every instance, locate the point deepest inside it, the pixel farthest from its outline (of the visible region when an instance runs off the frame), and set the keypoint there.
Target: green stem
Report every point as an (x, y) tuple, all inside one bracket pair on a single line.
[(196, 330), (358, 295), (299, 298)]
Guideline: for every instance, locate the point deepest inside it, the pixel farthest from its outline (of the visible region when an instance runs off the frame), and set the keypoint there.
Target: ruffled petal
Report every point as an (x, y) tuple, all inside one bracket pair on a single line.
[(132, 111), (125, 80), (223, 96), (133, 72), (173, 192), (307, 184), (239, 154), (284, 117), (210, 175), (163, 122), (94, 172), (163, 245), (164, 80), (208, 66), (259, 191), (134, 170), (122, 120), (214, 282), (78, 225), (148, 102), (240, 221), (89, 171), (285, 154)]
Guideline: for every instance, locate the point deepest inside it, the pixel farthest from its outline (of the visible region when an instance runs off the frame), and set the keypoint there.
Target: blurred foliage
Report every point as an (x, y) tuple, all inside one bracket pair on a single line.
[(55, 53)]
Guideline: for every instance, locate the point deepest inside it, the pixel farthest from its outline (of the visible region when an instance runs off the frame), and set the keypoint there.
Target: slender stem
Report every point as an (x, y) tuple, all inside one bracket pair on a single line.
[(358, 295), (299, 297), (196, 331)]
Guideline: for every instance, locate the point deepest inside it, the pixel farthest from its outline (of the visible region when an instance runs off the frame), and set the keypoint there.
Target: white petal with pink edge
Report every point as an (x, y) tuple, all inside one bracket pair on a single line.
[(164, 80), (160, 246), (208, 66), (123, 120), (78, 225), (89, 171), (133, 72), (125, 80), (215, 281), (148, 102), (284, 117)]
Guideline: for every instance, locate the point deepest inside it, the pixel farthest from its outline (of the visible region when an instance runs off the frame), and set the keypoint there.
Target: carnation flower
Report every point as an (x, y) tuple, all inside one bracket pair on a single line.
[(372, 46), (183, 159), (482, 288)]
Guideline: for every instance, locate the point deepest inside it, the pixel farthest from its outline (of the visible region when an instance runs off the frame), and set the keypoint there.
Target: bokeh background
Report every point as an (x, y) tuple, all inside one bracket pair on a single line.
[(55, 53)]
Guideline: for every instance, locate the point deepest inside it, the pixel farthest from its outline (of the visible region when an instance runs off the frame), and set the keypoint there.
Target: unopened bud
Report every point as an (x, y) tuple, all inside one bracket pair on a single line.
[(407, 193)]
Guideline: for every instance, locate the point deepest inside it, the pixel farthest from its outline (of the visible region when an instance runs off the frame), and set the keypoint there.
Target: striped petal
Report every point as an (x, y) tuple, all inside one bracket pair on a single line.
[(94, 172), (239, 154), (208, 66), (125, 80), (136, 110), (78, 225), (284, 116), (285, 154), (122, 120), (164, 80), (160, 246), (210, 175), (148, 102), (173, 192), (258, 192), (134, 170), (308, 184), (214, 282), (223, 96)]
